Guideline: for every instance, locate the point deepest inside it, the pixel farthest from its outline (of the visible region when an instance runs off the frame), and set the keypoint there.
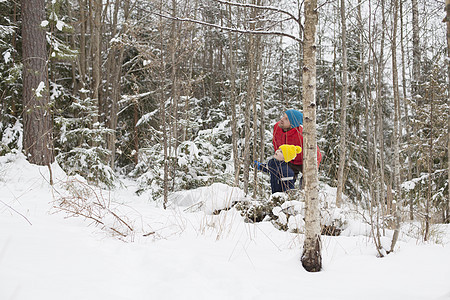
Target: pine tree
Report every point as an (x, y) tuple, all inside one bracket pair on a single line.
[(37, 138)]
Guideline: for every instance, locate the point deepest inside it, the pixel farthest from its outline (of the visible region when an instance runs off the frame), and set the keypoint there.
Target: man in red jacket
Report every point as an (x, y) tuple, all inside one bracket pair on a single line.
[(289, 131)]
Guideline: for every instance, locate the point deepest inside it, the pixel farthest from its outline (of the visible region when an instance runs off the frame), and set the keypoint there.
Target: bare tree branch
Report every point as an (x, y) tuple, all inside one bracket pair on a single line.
[(272, 8), (244, 31)]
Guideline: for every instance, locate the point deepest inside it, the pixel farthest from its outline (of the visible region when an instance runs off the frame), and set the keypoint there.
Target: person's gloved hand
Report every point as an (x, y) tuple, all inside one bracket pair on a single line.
[(258, 165)]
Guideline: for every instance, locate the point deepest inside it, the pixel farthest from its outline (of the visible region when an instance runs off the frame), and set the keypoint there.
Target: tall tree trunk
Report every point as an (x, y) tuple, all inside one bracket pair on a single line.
[(75, 84), (257, 83), (250, 99), (396, 127), (261, 84), (82, 61), (416, 79), (311, 256), (380, 118), (343, 123), (162, 112), (189, 93), (447, 7), (367, 96), (175, 92), (262, 115), (37, 133), (14, 35), (429, 163), (113, 89), (334, 81), (110, 108), (96, 10), (415, 88), (374, 118), (234, 132), (405, 103), (110, 65), (13, 55), (135, 132)]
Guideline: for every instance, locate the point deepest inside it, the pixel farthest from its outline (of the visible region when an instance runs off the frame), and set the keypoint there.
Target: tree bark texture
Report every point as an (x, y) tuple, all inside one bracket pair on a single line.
[(163, 116), (430, 166), (416, 51), (256, 86), (113, 87), (447, 7), (234, 131), (37, 133), (96, 13), (415, 80), (407, 125), (367, 96), (175, 90), (311, 257), (396, 127), (250, 100), (343, 132), (380, 164), (82, 61)]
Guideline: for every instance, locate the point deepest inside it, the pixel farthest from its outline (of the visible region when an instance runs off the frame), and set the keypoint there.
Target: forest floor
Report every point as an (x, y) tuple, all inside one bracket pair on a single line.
[(142, 251)]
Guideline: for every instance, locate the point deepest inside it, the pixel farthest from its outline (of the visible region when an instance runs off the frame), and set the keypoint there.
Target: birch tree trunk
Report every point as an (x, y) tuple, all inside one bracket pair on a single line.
[(367, 95), (311, 257), (407, 122), (37, 132), (396, 127), (343, 131), (447, 7)]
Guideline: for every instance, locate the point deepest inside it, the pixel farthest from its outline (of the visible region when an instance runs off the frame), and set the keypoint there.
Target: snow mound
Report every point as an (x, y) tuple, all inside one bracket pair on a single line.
[(208, 199), (15, 169)]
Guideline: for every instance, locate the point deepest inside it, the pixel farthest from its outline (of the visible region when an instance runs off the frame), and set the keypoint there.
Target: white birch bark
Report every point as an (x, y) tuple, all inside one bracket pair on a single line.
[(311, 257), (447, 7), (396, 127), (343, 131)]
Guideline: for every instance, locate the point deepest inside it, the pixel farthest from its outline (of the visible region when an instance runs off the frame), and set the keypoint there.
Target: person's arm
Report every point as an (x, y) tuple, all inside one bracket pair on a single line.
[(260, 166)]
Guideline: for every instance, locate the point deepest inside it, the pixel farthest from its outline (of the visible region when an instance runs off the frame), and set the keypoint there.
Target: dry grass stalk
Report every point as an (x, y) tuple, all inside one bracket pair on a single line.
[(84, 201)]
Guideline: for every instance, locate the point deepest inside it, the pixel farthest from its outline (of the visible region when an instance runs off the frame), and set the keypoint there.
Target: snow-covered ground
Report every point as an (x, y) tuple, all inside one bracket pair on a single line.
[(185, 252)]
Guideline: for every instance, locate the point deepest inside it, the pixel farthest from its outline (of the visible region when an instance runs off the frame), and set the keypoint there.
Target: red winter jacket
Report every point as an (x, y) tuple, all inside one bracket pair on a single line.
[(293, 136)]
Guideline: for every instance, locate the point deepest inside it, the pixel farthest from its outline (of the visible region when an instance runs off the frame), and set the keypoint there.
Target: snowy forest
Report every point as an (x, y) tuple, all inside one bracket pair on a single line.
[(183, 94)]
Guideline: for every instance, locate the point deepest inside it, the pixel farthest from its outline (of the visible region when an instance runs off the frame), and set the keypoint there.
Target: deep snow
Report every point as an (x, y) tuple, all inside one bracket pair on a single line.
[(188, 253)]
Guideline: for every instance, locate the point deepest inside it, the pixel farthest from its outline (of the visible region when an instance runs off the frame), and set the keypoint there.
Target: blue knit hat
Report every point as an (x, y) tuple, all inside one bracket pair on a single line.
[(295, 117)]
